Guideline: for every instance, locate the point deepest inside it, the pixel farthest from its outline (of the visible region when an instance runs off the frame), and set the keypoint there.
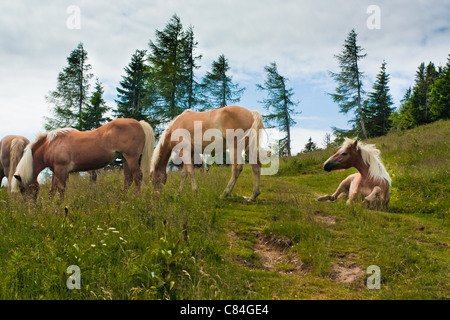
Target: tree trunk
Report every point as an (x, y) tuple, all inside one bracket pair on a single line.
[(363, 127)]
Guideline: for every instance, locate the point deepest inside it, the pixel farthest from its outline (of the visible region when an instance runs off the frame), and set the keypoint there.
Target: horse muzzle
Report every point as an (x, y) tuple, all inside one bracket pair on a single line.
[(328, 166)]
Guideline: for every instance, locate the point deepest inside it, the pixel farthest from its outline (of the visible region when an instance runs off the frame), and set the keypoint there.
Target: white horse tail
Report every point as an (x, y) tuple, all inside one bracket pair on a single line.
[(24, 170), (147, 151), (255, 131), (16, 152)]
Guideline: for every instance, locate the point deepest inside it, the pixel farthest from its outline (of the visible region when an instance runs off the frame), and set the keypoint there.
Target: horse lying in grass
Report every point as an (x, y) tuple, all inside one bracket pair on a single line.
[(68, 150), (370, 183), (11, 151), (192, 126)]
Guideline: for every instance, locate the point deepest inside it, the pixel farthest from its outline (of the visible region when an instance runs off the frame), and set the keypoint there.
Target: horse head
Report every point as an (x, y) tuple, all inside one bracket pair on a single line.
[(344, 158)]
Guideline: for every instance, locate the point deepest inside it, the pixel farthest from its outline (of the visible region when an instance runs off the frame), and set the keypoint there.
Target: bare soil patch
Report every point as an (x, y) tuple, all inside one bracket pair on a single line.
[(347, 270)]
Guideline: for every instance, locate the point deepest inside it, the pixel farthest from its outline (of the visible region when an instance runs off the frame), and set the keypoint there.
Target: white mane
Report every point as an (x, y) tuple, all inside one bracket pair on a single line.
[(53, 134), (24, 169), (157, 151), (25, 166), (371, 156)]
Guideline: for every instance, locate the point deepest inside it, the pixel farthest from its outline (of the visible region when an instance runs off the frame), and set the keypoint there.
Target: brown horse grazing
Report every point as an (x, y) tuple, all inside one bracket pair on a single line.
[(196, 129), (372, 182), (11, 151), (69, 150)]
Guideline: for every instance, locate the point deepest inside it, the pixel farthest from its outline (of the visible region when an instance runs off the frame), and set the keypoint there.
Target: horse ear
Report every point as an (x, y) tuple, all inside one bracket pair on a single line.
[(355, 144), (18, 177)]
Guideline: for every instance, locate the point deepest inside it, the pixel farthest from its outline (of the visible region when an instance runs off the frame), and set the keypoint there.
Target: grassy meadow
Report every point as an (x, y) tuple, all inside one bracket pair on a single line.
[(286, 245)]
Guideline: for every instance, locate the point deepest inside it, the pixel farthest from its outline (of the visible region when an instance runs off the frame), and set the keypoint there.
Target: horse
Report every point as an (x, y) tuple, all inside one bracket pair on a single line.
[(223, 122), (68, 150), (11, 151), (372, 181)]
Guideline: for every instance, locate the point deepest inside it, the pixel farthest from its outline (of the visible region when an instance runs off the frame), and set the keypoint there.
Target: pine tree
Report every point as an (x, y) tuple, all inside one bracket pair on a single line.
[(279, 104), (218, 87), (72, 92), (378, 107), (134, 94), (172, 63), (349, 91), (192, 87), (310, 146), (401, 118), (94, 113), (417, 111), (439, 96)]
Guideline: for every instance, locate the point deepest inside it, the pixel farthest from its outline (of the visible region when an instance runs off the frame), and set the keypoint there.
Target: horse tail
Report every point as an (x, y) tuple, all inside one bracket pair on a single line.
[(147, 151), (256, 128), (23, 169), (16, 152)]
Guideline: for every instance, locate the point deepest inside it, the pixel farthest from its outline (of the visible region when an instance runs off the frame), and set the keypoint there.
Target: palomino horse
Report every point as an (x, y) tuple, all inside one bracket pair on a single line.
[(69, 150), (371, 182), (221, 121), (11, 151)]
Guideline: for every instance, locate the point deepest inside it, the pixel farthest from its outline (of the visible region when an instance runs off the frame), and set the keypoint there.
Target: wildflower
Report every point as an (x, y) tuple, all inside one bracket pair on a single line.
[(93, 245)]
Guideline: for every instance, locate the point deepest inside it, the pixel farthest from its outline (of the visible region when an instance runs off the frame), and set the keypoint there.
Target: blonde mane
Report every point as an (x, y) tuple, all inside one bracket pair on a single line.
[(54, 133), (371, 156), (162, 138), (24, 168)]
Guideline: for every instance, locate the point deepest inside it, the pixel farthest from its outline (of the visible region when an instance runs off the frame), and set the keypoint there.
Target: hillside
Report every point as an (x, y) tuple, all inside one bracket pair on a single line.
[(287, 245)]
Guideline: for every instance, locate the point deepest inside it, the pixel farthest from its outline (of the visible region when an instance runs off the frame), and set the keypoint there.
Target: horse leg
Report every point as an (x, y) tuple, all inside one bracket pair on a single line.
[(60, 174), (341, 191), (93, 177), (2, 171), (374, 197), (191, 173), (135, 171), (374, 194), (236, 170), (257, 173), (128, 178), (184, 174), (2, 175), (52, 190)]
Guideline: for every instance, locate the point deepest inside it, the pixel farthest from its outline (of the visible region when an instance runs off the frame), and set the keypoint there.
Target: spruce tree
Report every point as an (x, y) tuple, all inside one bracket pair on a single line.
[(439, 96), (279, 104), (72, 92), (94, 113), (192, 87), (310, 146), (349, 91), (172, 64), (218, 87), (134, 96), (378, 107)]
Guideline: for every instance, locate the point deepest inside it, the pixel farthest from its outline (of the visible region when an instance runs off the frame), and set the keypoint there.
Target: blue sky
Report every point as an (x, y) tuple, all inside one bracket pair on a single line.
[(301, 36)]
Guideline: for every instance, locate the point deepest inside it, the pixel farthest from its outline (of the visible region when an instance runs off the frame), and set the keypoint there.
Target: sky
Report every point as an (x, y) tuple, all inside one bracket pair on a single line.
[(301, 36)]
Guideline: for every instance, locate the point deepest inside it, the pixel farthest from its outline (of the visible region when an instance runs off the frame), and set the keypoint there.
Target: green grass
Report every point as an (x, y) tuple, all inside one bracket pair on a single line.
[(201, 247)]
